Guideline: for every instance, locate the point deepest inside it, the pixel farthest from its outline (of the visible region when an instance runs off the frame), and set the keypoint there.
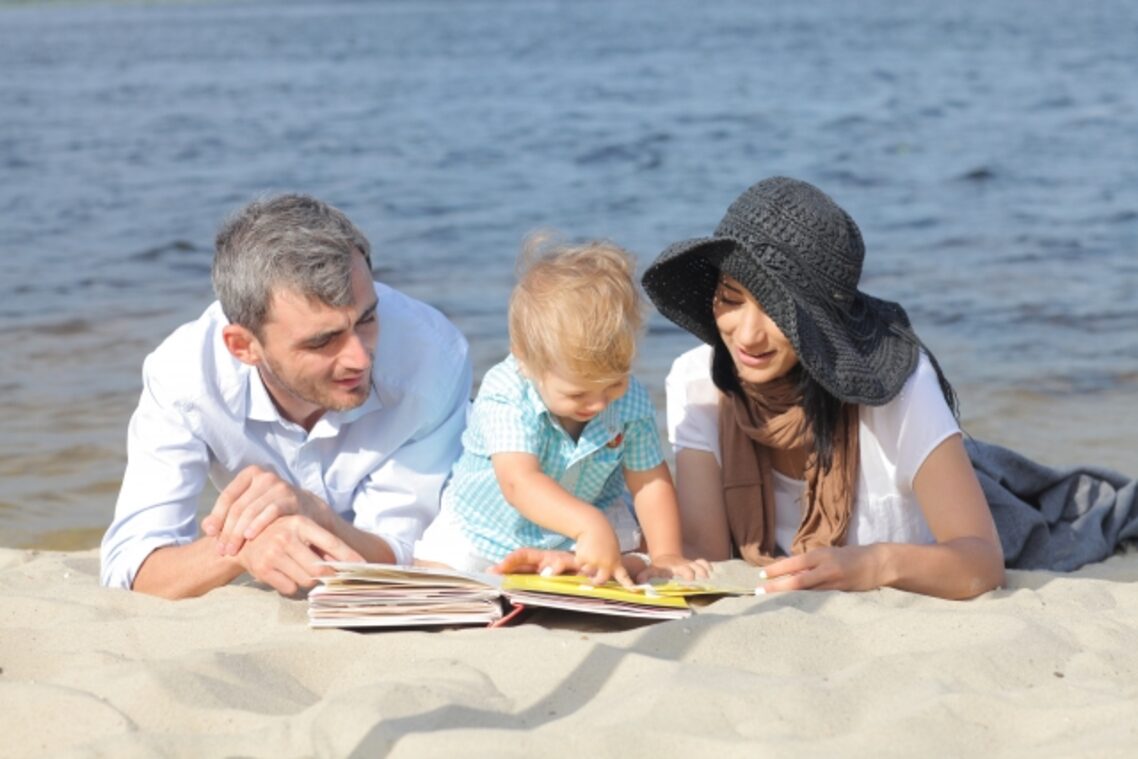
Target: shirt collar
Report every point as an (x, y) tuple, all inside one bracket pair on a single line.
[(260, 406), (604, 427)]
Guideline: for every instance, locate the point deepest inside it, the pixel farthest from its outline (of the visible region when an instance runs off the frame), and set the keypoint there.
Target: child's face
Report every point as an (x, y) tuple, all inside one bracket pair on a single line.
[(574, 401)]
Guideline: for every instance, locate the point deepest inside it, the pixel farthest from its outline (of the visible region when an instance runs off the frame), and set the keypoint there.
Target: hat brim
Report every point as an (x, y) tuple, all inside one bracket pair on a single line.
[(682, 280), (861, 351)]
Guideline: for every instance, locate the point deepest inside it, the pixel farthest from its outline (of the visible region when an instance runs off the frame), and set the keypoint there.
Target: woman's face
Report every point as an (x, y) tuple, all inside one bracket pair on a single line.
[(759, 349)]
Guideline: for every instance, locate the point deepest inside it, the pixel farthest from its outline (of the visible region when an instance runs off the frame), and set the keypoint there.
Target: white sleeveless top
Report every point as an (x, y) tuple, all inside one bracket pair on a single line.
[(895, 439)]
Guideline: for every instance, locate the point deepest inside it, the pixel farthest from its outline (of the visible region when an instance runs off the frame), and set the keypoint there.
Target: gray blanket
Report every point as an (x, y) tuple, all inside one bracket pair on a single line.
[(1054, 519)]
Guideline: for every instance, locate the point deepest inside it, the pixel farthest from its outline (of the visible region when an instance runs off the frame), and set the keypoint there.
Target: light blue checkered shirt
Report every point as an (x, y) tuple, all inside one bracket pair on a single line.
[(509, 416)]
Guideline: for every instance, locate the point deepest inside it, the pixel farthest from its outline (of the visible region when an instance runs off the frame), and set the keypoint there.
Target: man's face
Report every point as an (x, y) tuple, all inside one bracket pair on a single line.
[(316, 357)]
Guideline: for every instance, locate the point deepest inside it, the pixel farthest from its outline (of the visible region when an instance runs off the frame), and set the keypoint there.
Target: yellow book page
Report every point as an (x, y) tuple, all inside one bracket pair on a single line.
[(570, 585)]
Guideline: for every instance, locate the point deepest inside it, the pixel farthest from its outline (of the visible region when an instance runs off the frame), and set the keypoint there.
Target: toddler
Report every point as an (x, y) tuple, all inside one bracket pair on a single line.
[(560, 428)]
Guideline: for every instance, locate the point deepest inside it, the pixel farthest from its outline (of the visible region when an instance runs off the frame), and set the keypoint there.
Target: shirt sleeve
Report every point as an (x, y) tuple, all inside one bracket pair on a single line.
[(503, 420), (914, 423), (167, 465), (693, 402), (642, 445), (400, 498)]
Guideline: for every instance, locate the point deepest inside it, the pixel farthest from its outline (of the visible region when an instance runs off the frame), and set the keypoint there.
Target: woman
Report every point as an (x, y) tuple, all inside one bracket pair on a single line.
[(814, 424)]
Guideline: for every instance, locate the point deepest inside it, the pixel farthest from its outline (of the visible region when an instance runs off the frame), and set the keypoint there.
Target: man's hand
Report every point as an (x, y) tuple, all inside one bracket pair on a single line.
[(254, 500), (288, 552)]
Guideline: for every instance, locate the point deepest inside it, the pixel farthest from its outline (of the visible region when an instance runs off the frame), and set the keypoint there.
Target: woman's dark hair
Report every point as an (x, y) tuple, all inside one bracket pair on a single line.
[(823, 411)]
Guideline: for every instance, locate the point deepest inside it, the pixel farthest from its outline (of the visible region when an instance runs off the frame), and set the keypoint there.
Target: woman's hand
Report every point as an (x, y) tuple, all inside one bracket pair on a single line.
[(835, 568)]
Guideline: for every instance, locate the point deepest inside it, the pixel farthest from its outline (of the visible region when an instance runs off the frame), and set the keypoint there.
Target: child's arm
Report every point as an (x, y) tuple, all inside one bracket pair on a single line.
[(539, 498), (654, 498)]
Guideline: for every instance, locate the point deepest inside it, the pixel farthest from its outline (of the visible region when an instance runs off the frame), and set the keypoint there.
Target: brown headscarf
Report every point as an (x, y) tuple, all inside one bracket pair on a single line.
[(770, 416)]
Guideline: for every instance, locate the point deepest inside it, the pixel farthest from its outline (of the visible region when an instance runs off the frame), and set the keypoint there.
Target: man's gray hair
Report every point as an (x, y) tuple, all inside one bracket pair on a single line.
[(291, 241)]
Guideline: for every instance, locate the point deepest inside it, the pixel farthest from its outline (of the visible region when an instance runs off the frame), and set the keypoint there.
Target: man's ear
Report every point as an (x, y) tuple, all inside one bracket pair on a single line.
[(242, 343)]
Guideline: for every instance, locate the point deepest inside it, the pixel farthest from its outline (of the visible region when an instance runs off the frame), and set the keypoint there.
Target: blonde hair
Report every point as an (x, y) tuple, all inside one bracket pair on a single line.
[(575, 309)]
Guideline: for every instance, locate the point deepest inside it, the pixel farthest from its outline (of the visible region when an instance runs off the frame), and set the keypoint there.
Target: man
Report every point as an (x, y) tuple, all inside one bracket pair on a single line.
[(273, 393)]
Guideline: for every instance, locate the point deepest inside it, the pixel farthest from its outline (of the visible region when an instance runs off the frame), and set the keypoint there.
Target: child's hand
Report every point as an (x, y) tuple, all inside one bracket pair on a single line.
[(674, 565), (536, 561), (598, 555)]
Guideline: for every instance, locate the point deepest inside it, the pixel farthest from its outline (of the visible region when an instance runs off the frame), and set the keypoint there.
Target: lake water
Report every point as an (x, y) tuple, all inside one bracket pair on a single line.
[(989, 152)]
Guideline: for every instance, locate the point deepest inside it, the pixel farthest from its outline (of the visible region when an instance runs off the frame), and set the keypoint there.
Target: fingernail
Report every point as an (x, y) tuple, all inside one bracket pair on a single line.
[(762, 574), (760, 591), (547, 572)]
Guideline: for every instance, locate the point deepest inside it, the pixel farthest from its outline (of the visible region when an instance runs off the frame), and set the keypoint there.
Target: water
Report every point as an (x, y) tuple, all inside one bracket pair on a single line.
[(988, 151)]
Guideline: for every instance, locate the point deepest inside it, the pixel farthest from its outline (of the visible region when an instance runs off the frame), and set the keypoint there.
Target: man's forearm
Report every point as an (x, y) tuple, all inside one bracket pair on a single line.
[(185, 571)]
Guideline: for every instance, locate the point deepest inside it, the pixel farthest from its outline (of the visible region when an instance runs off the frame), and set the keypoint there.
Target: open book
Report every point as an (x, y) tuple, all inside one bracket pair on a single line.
[(385, 595)]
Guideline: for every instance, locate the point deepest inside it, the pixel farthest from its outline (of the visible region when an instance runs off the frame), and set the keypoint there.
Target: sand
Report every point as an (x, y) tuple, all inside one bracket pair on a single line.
[(1047, 666)]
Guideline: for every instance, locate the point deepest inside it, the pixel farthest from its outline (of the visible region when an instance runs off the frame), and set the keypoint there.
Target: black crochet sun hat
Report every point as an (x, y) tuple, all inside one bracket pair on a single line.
[(800, 255)]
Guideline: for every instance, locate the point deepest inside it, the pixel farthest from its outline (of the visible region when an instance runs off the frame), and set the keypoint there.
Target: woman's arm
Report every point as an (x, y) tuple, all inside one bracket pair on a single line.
[(703, 517), (965, 561)]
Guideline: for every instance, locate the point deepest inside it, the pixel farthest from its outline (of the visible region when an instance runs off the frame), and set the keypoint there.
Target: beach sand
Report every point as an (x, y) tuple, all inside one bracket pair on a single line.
[(1047, 666)]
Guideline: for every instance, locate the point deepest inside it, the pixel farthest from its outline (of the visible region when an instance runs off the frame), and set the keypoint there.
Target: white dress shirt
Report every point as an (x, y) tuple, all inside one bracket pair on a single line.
[(202, 413), (894, 441)]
